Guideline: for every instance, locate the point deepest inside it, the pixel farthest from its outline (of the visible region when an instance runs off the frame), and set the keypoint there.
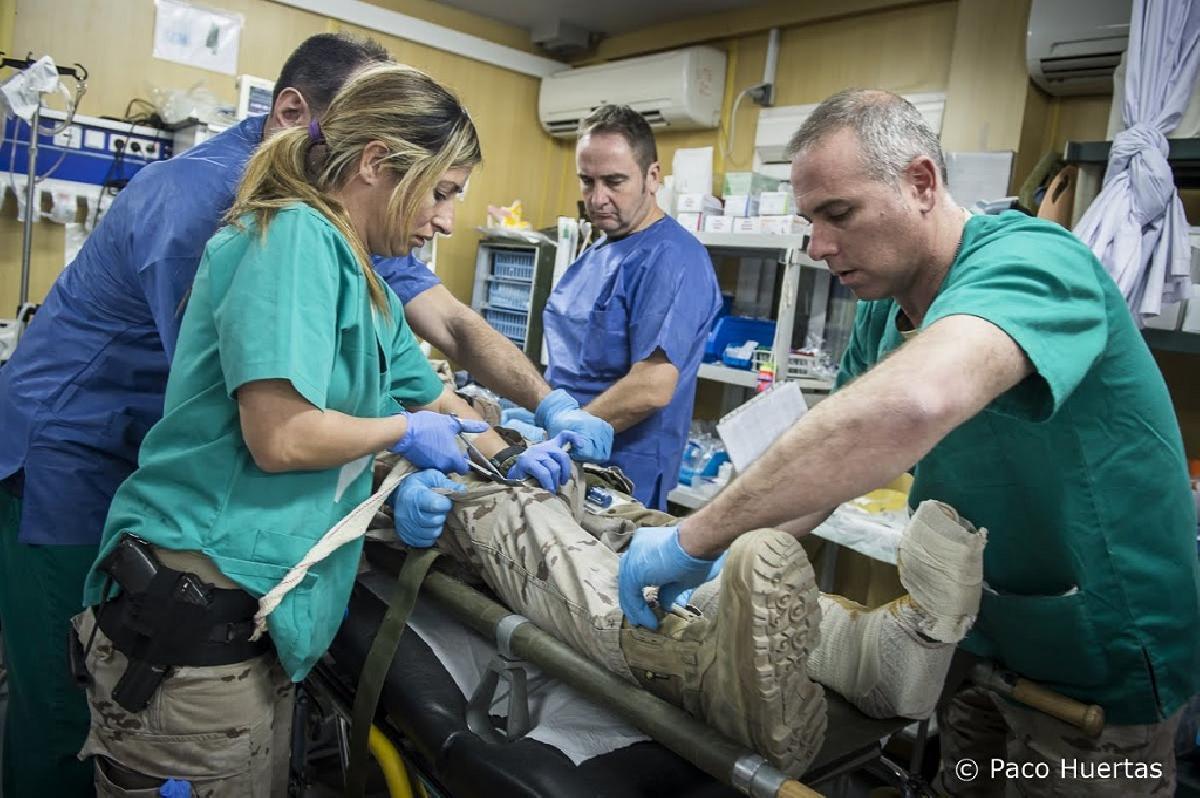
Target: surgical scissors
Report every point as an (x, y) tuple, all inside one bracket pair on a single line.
[(482, 465)]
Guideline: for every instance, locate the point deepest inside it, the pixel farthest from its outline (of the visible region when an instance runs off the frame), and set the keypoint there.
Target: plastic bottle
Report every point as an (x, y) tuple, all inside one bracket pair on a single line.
[(766, 377)]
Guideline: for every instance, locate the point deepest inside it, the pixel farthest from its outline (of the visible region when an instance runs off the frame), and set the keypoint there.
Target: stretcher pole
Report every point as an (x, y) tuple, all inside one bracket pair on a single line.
[(699, 744)]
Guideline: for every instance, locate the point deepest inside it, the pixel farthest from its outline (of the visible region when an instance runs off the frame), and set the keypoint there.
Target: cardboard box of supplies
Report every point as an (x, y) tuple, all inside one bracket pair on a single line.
[(747, 224), (718, 224), (741, 205), (692, 222), (697, 203), (775, 203), (748, 183), (784, 225)]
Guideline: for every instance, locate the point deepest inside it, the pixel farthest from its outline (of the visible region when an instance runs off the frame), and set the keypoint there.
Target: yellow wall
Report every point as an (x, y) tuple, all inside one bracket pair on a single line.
[(115, 44), (910, 50)]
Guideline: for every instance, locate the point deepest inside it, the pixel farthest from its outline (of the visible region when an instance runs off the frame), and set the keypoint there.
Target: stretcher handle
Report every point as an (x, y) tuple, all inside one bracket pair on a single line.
[(794, 789), (1088, 717)]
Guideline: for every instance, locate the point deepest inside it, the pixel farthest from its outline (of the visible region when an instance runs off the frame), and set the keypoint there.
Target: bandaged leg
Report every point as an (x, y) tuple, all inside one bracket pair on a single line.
[(892, 661)]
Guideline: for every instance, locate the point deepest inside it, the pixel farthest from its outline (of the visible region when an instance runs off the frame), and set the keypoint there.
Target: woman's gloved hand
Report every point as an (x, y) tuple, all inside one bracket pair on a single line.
[(419, 513), (654, 557), (547, 462), (560, 412), (430, 442), (521, 420)]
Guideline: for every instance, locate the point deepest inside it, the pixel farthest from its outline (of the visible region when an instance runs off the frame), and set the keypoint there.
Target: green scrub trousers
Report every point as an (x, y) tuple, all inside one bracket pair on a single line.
[(47, 718)]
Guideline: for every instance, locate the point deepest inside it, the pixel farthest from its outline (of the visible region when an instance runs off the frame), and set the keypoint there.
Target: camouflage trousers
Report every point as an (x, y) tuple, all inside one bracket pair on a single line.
[(543, 554), (224, 728), (549, 558), (993, 747)]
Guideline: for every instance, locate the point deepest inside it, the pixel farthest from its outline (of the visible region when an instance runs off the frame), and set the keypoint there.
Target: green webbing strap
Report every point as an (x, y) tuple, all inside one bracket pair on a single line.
[(379, 660)]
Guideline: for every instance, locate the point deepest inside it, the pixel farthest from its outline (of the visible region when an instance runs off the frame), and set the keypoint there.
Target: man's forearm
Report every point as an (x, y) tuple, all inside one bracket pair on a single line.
[(799, 527), (497, 364), (844, 447), (866, 434), (464, 337), (646, 389)]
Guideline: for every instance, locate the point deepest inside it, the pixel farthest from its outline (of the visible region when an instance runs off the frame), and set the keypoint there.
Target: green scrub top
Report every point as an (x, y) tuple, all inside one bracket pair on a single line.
[(290, 305), (1078, 473)]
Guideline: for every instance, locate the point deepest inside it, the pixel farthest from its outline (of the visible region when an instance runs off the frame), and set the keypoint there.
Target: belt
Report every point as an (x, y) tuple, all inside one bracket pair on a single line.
[(229, 620)]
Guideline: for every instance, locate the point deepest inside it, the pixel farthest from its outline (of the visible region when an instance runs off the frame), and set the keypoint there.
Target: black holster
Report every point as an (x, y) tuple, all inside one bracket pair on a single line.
[(163, 618)]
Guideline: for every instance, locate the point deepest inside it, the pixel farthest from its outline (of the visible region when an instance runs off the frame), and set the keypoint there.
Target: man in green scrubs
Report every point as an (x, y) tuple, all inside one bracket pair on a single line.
[(994, 357)]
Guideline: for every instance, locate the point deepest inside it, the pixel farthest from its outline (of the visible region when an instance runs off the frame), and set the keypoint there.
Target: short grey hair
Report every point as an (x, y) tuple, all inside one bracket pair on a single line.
[(891, 131)]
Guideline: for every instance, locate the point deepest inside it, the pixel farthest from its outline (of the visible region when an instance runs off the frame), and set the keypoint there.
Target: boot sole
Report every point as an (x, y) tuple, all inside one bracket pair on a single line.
[(785, 712)]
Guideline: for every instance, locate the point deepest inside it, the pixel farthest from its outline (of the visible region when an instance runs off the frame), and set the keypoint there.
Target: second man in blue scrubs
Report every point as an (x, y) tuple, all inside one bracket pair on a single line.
[(625, 326)]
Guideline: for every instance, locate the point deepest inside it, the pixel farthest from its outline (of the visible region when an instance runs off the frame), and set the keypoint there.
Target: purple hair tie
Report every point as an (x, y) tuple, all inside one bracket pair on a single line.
[(314, 132)]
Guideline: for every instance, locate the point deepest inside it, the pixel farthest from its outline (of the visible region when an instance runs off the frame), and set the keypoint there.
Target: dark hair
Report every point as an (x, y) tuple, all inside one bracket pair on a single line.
[(890, 130), (626, 122), (322, 64)]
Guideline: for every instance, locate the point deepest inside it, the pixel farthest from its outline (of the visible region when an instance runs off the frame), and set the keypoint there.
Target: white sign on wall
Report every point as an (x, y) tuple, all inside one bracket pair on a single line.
[(197, 36)]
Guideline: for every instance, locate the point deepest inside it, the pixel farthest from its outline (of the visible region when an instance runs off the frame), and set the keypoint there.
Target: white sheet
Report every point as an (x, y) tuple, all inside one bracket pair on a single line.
[(563, 717)]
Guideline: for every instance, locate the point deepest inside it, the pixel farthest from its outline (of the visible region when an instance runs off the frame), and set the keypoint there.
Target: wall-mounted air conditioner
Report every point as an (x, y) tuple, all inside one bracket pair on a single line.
[(1073, 46), (678, 90)]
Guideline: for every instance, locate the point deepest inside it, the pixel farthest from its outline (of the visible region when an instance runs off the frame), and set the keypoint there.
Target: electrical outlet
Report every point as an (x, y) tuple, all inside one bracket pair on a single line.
[(133, 146), (72, 137)]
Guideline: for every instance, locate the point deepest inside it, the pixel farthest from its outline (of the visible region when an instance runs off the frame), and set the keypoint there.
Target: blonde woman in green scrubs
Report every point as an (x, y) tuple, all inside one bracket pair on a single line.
[(294, 366)]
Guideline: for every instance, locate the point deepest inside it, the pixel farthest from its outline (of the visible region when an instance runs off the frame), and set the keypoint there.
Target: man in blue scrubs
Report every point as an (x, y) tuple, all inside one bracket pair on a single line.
[(625, 326), (87, 382)]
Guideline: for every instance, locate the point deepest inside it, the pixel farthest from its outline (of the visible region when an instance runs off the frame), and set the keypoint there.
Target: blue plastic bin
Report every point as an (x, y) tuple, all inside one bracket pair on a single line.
[(509, 323), (737, 330), (508, 295), (513, 264)]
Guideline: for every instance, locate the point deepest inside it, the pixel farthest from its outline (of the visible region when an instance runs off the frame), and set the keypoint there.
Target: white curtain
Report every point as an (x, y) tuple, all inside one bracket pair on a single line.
[(1136, 225)]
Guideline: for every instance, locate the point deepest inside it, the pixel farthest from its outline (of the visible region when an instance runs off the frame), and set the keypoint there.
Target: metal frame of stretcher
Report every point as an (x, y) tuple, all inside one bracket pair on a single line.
[(853, 740)]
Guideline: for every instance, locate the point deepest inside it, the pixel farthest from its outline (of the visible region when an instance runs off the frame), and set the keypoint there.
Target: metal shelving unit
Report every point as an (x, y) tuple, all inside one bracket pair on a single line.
[(512, 282), (790, 252)]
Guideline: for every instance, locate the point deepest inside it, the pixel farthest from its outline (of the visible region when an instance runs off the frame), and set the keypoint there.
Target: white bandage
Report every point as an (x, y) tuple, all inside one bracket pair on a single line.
[(940, 560), (877, 660), (892, 661)]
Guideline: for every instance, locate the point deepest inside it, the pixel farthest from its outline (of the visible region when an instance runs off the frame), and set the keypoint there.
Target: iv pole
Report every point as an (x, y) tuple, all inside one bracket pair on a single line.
[(80, 75)]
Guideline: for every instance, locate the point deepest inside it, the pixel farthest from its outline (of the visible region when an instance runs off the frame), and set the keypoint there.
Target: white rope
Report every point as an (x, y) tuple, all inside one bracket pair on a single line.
[(352, 527)]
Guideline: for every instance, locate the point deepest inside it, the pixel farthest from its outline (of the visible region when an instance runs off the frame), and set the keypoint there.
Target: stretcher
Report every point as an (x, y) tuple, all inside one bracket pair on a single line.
[(424, 713)]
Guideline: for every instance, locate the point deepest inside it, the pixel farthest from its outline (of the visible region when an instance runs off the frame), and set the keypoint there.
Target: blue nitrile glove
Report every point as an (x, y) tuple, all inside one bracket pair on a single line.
[(559, 411), (654, 557), (418, 512), (682, 599), (521, 420), (529, 432), (516, 413), (175, 788), (547, 462), (429, 441)]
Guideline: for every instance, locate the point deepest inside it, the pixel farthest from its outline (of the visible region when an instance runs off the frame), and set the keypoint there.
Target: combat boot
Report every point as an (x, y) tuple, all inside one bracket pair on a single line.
[(744, 671)]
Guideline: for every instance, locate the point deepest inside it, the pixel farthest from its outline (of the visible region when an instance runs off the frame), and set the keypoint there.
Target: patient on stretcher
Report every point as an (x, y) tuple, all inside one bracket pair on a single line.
[(751, 651)]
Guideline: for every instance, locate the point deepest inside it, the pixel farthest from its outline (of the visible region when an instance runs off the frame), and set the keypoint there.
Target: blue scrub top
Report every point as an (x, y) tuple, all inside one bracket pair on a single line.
[(88, 377), (617, 304)]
